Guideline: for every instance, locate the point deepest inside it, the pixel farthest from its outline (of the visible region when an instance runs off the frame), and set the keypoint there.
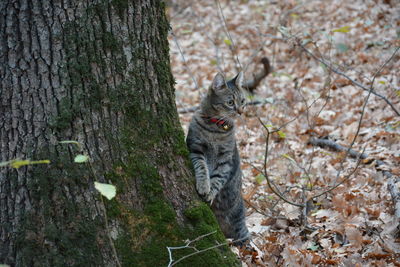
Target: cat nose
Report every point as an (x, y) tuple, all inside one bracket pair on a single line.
[(240, 110)]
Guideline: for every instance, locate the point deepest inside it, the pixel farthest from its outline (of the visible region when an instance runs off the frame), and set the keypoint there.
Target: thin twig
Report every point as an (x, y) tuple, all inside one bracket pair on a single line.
[(394, 189), (183, 59), (188, 243), (357, 131), (392, 182), (347, 177), (212, 41), (296, 117), (197, 252), (232, 46), (328, 65), (172, 262), (108, 232), (274, 189), (103, 207), (188, 109), (270, 184)]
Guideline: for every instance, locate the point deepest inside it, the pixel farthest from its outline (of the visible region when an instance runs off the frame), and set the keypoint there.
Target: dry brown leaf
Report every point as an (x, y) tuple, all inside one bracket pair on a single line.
[(363, 199), (354, 236)]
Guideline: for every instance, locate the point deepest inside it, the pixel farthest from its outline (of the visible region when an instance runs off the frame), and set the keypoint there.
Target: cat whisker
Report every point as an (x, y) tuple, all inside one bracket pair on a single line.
[(222, 118)]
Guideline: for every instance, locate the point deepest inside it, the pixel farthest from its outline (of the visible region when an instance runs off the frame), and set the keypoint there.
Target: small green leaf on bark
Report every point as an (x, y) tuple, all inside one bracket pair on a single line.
[(70, 142), (107, 190), (81, 158), (19, 163)]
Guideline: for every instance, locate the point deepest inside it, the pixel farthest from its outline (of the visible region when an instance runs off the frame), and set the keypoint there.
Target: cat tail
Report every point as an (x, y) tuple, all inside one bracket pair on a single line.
[(251, 85)]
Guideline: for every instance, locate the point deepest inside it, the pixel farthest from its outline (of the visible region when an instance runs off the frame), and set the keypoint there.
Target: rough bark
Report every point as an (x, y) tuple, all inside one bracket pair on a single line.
[(96, 72)]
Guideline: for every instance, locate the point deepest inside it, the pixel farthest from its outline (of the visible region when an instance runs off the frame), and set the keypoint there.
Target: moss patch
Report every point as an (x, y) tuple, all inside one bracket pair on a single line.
[(147, 233), (58, 231)]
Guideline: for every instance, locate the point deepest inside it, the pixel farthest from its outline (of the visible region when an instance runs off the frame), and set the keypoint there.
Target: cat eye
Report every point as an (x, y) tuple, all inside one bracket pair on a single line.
[(230, 103), (242, 101)]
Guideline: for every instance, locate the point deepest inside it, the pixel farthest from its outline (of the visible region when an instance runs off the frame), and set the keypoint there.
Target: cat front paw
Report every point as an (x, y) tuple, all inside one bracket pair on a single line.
[(203, 187), (209, 198)]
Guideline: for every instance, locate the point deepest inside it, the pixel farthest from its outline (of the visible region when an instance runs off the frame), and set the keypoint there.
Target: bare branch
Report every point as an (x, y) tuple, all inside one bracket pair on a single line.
[(347, 177), (358, 130), (103, 209), (329, 66), (188, 245), (232, 46), (392, 182), (188, 110), (184, 60), (269, 182), (393, 186), (336, 147)]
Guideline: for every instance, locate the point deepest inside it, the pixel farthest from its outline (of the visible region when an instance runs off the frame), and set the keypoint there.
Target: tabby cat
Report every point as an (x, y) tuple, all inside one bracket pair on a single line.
[(213, 151)]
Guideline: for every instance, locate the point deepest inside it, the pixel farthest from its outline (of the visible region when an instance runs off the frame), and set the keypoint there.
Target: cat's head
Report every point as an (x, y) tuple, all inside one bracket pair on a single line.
[(226, 98)]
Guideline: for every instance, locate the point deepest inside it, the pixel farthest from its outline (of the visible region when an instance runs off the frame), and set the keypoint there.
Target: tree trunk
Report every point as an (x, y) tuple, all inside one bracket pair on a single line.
[(97, 73)]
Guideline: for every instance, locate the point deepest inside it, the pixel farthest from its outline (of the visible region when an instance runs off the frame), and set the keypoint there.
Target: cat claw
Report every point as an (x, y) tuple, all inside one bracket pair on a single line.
[(210, 201), (209, 198), (203, 189)]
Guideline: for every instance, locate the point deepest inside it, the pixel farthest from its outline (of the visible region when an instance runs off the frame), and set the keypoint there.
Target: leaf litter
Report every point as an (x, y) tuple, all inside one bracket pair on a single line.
[(352, 225)]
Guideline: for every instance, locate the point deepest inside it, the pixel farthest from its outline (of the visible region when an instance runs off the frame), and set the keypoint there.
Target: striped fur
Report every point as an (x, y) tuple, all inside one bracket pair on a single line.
[(215, 156)]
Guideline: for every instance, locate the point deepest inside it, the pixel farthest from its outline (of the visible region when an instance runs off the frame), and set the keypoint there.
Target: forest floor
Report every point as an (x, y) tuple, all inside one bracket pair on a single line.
[(345, 214)]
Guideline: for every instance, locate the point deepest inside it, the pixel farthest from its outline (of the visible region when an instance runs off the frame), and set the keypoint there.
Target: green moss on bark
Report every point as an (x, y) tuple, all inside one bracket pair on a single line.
[(148, 232), (150, 132), (145, 236), (58, 232), (121, 6)]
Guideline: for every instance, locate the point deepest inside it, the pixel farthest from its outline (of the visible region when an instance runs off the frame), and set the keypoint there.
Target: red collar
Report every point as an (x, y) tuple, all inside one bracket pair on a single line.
[(219, 122)]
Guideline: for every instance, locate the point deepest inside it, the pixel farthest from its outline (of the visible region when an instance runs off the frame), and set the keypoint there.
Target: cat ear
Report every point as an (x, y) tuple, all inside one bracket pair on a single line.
[(239, 80), (218, 82)]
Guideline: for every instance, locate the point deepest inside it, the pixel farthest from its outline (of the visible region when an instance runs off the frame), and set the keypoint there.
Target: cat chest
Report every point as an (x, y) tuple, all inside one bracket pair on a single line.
[(219, 153)]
